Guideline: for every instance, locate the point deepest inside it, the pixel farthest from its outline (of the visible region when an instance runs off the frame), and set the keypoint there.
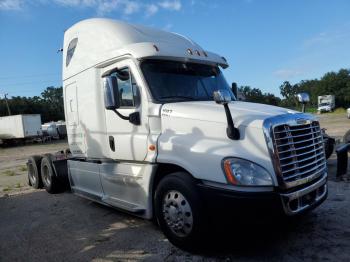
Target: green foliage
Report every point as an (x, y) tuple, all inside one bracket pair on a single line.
[(332, 83), (49, 105), (9, 173), (255, 95), (23, 168)]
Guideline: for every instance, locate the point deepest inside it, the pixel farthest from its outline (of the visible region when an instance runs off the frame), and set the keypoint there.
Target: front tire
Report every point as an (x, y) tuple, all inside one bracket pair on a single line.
[(179, 211)]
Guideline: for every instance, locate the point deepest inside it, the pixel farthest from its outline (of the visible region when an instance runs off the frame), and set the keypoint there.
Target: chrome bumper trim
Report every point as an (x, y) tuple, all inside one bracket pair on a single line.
[(294, 203)]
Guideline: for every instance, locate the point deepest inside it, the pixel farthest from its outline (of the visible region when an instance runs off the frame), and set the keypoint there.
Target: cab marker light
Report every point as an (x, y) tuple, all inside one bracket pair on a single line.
[(152, 147), (189, 51), (197, 52)]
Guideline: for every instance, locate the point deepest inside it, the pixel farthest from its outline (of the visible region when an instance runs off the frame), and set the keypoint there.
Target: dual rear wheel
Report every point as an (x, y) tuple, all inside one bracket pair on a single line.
[(41, 174)]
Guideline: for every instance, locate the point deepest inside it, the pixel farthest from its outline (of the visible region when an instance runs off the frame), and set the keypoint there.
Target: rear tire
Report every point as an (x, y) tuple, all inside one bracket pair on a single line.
[(48, 176), (34, 172), (179, 211)]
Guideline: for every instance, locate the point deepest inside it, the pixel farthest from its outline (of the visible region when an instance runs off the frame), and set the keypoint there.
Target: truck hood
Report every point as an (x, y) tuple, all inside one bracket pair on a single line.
[(243, 113)]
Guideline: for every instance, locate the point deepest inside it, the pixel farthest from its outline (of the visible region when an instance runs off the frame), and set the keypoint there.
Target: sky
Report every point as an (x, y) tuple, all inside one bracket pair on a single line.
[(265, 42)]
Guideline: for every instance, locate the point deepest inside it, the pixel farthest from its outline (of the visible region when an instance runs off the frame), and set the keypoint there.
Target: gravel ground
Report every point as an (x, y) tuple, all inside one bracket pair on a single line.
[(36, 226)]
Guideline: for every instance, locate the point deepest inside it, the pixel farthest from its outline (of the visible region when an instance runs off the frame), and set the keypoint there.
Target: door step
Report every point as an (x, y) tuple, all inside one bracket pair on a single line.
[(115, 202)]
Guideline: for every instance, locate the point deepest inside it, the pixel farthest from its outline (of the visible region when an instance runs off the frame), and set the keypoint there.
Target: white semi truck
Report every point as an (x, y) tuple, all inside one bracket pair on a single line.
[(155, 130)]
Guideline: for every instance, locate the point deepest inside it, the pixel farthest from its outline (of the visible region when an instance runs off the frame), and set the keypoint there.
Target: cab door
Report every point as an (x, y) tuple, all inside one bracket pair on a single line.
[(126, 140)]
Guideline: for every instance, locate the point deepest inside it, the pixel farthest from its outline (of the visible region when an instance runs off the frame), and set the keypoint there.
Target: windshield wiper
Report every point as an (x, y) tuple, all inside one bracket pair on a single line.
[(178, 97)]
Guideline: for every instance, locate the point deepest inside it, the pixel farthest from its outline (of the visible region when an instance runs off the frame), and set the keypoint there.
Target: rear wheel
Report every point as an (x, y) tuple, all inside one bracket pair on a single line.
[(179, 211), (49, 178), (34, 172)]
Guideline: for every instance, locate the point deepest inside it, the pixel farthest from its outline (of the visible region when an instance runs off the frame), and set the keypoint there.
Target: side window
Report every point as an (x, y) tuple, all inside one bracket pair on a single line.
[(70, 50), (128, 90)]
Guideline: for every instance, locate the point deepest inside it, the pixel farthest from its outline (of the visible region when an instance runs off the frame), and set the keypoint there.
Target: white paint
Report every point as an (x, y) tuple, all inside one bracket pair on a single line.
[(20, 126)]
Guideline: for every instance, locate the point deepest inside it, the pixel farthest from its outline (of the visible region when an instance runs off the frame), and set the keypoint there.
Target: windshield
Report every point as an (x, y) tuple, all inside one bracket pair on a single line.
[(171, 81), (324, 104)]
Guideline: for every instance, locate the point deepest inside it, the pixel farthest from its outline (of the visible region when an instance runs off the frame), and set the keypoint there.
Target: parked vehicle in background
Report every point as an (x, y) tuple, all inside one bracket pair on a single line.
[(155, 130), (18, 128), (50, 130), (326, 103), (61, 129), (55, 130), (348, 113)]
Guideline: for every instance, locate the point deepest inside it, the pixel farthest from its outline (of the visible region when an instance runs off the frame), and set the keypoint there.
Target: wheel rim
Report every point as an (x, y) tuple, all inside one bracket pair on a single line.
[(177, 213), (46, 175), (32, 176)]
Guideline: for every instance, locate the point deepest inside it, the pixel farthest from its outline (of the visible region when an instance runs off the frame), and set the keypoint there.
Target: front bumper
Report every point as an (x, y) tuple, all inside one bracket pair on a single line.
[(243, 204)]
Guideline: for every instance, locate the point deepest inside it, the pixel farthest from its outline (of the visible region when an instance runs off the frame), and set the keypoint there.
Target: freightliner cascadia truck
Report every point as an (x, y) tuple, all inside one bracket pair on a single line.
[(155, 130)]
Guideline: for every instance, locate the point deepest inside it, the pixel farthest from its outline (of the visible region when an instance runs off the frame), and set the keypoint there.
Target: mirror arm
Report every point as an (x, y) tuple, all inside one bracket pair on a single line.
[(231, 131), (120, 115), (133, 118)]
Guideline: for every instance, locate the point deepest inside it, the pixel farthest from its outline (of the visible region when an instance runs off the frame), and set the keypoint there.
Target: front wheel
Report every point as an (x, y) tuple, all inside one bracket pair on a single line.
[(179, 211)]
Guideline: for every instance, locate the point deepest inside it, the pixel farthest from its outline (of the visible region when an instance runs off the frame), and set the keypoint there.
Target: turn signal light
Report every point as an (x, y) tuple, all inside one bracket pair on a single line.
[(229, 174)]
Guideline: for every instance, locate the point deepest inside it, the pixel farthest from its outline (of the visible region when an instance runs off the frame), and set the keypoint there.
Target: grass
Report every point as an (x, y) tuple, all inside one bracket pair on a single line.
[(339, 110), (18, 185), (6, 189), (23, 168), (9, 173)]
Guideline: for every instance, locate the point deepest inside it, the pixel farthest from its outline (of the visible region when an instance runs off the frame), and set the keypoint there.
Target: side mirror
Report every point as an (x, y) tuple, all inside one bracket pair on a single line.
[(222, 96), (111, 93), (303, 98), (234, 88)]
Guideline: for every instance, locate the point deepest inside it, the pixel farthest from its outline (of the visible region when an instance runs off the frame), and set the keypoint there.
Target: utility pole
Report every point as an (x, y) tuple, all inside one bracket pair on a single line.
[(7, 104)]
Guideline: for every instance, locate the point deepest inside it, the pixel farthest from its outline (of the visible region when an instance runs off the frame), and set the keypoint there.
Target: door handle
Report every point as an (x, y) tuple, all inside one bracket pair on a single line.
[(111, 143)]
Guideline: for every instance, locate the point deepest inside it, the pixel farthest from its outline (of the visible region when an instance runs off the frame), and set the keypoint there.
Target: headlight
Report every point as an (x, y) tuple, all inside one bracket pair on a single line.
[(241, 172)]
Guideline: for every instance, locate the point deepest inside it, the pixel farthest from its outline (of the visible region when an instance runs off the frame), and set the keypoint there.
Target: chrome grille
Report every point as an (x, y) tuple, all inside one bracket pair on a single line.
[(300, 150)]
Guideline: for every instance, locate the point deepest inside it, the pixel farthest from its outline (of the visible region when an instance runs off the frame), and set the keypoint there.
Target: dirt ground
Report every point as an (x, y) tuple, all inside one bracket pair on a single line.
[(13, 169), (336, 124), (37, 226)]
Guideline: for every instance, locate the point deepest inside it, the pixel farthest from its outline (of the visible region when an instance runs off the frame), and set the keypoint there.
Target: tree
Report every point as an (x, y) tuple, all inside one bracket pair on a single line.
[(49, 105), (255, 95)]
